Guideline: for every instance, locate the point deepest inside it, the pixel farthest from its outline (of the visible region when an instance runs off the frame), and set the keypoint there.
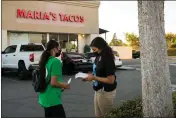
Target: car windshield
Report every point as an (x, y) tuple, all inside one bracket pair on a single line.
[(89, 54), (114, 52), (75, 56), (31, 48)]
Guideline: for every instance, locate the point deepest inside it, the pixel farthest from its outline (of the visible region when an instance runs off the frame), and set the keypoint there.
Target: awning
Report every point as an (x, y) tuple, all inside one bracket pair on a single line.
[(102, 31)]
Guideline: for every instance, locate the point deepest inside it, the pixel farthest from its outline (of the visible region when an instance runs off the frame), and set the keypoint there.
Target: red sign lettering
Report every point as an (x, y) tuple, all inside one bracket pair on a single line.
[(29, 15), (21, 13), (38, 15)]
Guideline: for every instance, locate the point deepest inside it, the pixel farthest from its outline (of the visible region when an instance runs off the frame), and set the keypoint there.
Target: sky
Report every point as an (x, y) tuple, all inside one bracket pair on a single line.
[(122, 16)]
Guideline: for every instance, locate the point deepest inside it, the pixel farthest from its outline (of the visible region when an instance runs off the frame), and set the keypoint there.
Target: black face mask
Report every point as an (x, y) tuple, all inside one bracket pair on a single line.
[(58, 54), (96, 53)]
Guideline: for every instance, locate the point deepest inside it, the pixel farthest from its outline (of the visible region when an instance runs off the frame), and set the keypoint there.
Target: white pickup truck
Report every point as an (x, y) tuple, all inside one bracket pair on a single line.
[(22, 57)]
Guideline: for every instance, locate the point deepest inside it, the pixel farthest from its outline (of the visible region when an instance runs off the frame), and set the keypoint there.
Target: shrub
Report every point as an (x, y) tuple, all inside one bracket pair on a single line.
[(132, 108), (171, 52), (173, 46), (86, 48)]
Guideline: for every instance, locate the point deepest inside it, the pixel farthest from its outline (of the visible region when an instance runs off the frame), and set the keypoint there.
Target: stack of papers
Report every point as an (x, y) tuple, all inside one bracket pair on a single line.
[(81, 75), (69, 81)]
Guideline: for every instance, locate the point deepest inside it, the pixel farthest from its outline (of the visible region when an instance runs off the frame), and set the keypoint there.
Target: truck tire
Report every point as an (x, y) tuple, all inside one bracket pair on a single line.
[(21, 70), (2, 71), (69, 68)]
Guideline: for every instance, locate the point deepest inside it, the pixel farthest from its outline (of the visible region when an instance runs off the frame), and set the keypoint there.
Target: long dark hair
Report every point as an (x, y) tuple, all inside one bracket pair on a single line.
[(101, 44), (44, 59)]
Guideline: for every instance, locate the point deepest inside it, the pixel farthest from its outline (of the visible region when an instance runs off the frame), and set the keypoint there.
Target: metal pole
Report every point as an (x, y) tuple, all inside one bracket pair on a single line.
[(47, 37), (68, 44)]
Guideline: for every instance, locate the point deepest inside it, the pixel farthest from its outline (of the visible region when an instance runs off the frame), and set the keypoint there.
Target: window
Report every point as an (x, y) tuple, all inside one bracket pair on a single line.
[(35, 38), (44, 40), (10, 49), (89, 55), (31, 48), (53, 37), (18, 37), (68, 42), (73, 41), (63, 39), (75, 56)]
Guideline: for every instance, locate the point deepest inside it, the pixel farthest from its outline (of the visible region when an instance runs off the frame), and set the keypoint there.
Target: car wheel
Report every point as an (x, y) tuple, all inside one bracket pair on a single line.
[(21, 70), (2, 71), (69, 69)]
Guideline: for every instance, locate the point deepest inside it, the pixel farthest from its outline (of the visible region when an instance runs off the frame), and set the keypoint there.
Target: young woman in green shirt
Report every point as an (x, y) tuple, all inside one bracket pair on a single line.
[(51, 69)]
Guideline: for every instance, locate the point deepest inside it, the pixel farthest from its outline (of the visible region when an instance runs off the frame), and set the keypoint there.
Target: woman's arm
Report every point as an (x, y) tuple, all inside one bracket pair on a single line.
[(109, 72), (55, 72), (55, 83), (108, 80)]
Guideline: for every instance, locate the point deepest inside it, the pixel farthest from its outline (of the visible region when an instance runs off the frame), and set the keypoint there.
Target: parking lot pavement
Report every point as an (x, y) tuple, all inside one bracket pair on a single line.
[(19, 99)]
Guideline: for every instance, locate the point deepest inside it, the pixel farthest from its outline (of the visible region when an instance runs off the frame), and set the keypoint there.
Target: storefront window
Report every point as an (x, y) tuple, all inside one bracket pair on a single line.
[(63, 40), (35, 38), (53, 37), (73, 41), (18, 38), (68, 42), (44, 39)]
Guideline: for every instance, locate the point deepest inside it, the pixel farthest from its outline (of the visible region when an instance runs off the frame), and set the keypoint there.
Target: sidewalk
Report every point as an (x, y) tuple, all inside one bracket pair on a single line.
[(172, 59)]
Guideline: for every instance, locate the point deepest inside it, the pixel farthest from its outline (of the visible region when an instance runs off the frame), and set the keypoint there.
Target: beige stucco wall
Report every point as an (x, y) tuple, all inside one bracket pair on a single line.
[(124, 52), (89, 38), (4, 39), (87, 9), (81, 43)]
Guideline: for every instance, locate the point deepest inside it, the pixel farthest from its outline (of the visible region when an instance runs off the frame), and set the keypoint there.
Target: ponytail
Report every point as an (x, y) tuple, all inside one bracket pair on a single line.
[(42, 63)]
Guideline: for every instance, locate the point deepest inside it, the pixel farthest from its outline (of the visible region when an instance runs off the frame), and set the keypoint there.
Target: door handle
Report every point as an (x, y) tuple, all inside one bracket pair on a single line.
[(14, 55), (6, 55)]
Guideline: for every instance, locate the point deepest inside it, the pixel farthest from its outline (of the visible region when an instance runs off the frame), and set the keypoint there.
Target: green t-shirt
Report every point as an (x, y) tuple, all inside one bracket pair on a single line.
[(52, 95)]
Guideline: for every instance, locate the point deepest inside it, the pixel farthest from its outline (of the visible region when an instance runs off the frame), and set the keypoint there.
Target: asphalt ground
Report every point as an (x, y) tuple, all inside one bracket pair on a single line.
[(20, 100)]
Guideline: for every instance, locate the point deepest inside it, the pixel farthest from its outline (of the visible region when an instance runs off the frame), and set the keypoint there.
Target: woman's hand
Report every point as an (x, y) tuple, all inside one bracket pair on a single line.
[(66, 86), (89, 78)]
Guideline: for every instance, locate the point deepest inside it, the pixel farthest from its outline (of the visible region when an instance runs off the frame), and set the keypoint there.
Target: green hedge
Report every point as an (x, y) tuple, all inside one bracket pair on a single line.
[(173, 46), (171, 52), (132, 108), (86, 49)]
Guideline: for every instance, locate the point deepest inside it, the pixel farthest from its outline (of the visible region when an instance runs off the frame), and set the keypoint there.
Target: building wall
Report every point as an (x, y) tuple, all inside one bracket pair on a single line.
[(81, 42), (27, 27), (89, 10), (90, 38), (124, 52), (4, 39)]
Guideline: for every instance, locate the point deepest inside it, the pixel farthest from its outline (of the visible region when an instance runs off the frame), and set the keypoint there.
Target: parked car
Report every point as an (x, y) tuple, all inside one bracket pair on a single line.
[(22, 57), (90, 56), (118, 62), (135, 54), (73, 61)]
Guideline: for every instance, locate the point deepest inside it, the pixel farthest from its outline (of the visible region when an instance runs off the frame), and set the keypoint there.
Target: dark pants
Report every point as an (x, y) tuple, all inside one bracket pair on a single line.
[(55, 111)]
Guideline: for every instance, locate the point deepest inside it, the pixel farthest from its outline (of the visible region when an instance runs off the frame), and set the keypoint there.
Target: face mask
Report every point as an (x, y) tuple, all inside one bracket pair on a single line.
[(58, 54), (96, 53)]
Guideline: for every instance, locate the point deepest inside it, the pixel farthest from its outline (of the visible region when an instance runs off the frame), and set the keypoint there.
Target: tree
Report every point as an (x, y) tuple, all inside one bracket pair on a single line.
[(115, 41), (171, 39), (156, 85), (133, 40), (86, 48)]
